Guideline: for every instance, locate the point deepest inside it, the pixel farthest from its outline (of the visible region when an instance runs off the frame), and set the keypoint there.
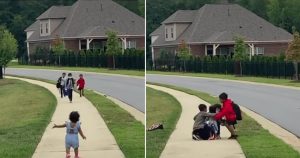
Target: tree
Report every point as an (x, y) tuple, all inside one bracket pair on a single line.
[(113, 46), (293, 53), (240, 53), (274, 12), (141, 7), (57, 47), (8, 48), (184, 53)]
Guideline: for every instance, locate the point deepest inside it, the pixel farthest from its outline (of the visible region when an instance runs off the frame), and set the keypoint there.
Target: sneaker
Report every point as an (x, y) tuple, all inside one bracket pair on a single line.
[(68, 156), (195, 137), (233, 137)]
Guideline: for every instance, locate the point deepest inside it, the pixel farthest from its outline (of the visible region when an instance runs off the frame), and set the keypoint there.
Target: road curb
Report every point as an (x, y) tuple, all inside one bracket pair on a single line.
[(86, 72), (274, 129), (238, 81), (138, 115)]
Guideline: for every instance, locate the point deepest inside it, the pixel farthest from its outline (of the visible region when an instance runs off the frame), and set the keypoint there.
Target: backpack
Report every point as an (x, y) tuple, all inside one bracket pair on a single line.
[(71, 85), (237, 111), (58, 82)]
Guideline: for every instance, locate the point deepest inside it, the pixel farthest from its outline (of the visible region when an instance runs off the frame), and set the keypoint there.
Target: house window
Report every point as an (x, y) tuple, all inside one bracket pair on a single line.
[(167, 33), (131, 44), (172, 32), (41, 28), (47, 28), (259, 50)]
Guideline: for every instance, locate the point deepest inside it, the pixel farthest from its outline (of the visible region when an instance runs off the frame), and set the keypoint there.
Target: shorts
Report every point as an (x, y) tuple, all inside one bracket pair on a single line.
[(231, 122), (72, 141)]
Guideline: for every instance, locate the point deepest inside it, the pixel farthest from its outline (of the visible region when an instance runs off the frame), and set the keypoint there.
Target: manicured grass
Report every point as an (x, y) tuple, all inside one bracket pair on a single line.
[(282, 82), (85, 69), (26, 110), (161, 108), (255, 141), (128, 132)]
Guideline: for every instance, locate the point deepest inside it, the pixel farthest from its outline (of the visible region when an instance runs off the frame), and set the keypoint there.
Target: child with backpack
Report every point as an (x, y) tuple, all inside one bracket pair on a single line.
[(73, 128), (229, 113), (80, 83), (61, 82), (70, 86)]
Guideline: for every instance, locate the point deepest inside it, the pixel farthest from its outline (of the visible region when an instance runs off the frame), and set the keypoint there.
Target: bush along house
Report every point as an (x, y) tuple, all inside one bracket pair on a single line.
[(212, 30), (83, 26)]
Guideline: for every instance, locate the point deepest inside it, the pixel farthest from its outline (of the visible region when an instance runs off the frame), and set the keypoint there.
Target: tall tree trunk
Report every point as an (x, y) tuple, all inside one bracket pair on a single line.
[(184, 66), (296, 70), (1, 72)]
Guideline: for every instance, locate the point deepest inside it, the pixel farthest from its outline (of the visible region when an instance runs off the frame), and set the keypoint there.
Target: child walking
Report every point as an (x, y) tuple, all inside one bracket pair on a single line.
[(61, 82), (70, 86), (73, 128), (80, 85)]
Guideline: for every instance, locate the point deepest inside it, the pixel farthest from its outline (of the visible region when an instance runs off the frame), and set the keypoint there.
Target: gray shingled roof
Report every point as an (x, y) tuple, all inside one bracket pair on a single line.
[(90, 18), (55, 12), (33, 27), (181, 16), (219, 23)]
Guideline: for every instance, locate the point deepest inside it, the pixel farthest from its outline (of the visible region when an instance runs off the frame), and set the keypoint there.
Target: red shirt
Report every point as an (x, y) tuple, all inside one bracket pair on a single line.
[(227, 111), (80, 83)]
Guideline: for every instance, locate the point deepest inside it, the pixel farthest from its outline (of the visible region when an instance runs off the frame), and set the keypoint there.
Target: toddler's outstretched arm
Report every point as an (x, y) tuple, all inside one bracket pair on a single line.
[(59, 126), (81, 133)]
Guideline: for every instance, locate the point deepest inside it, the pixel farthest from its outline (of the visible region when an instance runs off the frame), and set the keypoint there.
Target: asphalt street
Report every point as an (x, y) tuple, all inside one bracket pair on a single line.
[(130, 90), (280, 105)]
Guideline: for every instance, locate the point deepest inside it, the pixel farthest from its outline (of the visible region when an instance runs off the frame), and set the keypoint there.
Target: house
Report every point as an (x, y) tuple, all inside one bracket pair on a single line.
[(83, 26), (211, 30)]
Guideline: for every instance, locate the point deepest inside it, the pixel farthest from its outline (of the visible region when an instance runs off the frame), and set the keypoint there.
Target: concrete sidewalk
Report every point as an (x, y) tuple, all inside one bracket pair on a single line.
[(180, 143), (99, 140)]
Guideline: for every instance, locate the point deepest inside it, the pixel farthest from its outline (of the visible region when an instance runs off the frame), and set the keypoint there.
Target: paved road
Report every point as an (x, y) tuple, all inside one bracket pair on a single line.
[(280, 105), (127, 89)]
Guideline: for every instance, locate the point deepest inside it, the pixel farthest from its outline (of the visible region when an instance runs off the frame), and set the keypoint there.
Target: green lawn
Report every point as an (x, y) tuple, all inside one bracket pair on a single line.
[(255, 141), (161, 108), (26, 110), (128, 132), (85, 69), (282, 82)]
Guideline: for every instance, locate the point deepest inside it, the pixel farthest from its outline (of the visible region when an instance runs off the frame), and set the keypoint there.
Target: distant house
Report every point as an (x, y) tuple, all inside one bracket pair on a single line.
[(83, 26), (211, 30)]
